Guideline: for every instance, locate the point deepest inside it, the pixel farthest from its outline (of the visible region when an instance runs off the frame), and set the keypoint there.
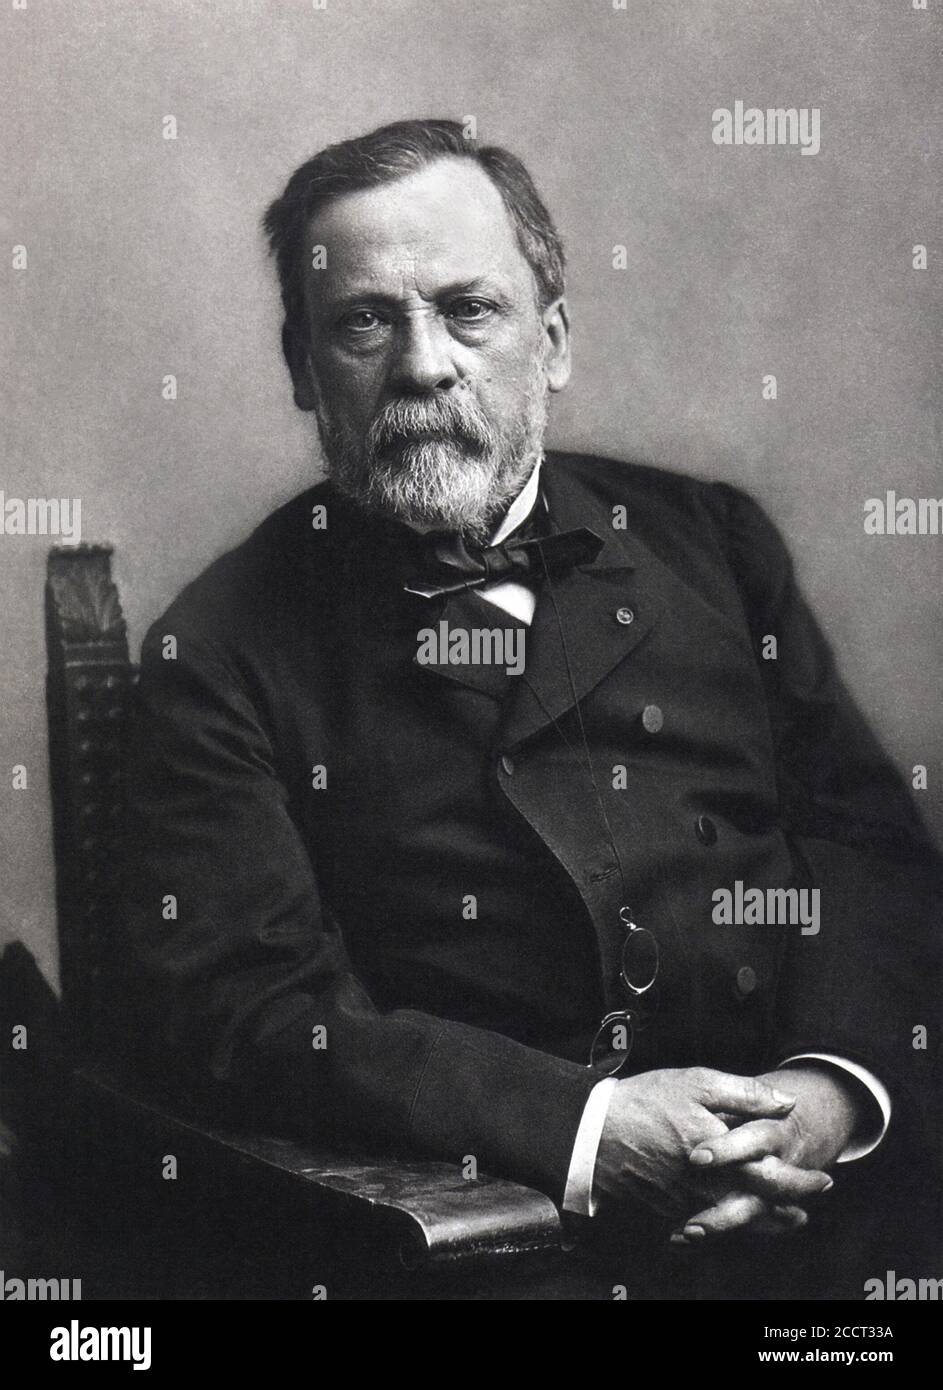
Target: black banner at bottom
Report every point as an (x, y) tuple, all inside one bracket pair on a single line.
[(278, 1340)]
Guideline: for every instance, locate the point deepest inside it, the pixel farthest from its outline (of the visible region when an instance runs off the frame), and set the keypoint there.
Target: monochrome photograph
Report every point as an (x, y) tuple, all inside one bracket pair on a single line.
[(470, 527)]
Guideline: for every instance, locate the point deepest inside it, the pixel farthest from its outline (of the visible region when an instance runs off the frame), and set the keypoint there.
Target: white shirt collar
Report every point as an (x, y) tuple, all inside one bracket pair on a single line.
[(520, 509)]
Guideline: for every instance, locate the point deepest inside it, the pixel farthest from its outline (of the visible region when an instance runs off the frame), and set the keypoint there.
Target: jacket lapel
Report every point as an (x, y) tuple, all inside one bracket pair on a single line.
[(465, 612), (577, 637)]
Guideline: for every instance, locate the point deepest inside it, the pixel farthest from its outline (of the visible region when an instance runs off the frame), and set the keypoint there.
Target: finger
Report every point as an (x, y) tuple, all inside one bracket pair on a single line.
[(742, 1095), (748, 1143), (738, 1211), (766, 1223), (730, 1213), (781, 1182), (779, 1221)]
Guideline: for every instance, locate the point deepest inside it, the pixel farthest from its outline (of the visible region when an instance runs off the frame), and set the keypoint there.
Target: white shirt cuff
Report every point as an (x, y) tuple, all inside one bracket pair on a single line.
[(855, 1148), (578, 1196)]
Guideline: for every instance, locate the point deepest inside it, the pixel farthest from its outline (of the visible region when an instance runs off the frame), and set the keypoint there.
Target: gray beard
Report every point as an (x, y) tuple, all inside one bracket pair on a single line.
[(437, 463)]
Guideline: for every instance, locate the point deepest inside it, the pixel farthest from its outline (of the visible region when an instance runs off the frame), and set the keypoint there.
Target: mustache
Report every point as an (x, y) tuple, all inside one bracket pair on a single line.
[(406, 422)]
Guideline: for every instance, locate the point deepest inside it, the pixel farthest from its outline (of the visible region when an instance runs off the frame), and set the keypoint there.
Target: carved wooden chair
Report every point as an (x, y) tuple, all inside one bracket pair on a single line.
[(373, 1225)]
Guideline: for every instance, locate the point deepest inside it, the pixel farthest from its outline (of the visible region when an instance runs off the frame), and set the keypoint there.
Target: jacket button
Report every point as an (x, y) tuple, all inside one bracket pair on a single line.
[(705, 830), (625, 616), (746, 979), (507, 763), (652, 719)]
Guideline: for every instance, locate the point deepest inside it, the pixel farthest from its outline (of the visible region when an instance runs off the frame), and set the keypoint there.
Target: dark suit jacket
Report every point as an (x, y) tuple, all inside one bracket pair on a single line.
[(279, 667)]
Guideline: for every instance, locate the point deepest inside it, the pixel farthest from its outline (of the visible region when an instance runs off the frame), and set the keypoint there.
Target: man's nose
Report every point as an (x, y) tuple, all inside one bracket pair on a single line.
[(424, 360)]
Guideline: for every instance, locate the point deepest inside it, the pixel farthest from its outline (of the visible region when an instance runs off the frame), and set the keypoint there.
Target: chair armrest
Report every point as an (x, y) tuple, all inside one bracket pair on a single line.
[(425, 1212)]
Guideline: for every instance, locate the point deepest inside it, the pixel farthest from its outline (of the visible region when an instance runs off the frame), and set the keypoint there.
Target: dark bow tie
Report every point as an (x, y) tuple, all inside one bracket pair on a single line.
[(454, 565)]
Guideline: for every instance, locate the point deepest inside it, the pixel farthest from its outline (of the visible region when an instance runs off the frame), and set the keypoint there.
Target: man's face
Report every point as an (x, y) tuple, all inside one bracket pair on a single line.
[(429, 358)]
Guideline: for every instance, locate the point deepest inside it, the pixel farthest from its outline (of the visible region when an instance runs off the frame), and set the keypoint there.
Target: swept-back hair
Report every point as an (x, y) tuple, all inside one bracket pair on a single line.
[(382, 156)]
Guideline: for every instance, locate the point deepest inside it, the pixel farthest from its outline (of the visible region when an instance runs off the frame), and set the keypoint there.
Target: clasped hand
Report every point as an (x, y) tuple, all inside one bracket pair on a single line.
[(737, 1151)]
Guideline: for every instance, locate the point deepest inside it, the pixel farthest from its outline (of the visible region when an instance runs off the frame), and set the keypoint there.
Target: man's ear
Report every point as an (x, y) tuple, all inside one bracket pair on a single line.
[(295, 348), (556, 327)]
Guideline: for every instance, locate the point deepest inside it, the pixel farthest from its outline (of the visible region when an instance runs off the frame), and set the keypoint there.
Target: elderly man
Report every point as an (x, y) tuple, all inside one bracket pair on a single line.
[(639, 918)]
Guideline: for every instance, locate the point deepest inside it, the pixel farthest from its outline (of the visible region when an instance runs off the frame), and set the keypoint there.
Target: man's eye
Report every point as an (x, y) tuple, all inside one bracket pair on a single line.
[(470, 310), (360, 321)]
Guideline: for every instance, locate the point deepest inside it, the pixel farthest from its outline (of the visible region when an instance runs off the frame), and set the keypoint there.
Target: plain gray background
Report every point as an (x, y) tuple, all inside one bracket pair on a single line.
[(145, 259)]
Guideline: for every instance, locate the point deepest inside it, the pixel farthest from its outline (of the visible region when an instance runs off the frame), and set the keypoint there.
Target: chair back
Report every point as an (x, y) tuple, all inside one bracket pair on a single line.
[(88, 685)]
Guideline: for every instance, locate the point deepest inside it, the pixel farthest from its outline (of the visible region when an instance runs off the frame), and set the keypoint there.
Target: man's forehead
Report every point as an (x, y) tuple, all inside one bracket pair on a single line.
[(446, 221)]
